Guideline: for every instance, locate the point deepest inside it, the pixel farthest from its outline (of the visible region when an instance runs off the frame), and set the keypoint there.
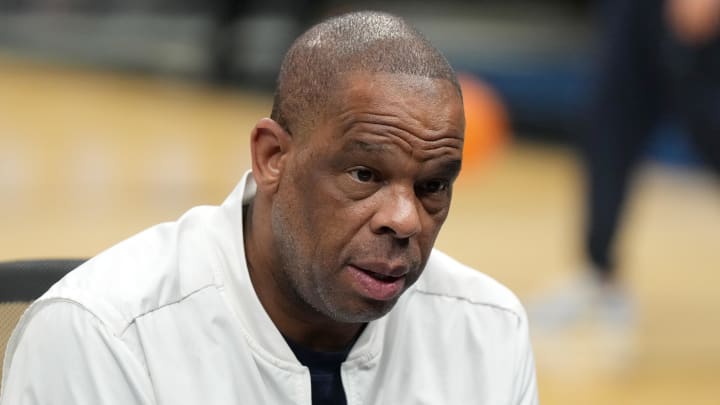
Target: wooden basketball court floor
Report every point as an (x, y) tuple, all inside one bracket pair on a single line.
[(88, 158)]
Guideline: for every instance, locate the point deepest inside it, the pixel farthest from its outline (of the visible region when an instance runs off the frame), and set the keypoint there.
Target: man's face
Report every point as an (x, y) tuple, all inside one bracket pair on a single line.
[(363, 197)]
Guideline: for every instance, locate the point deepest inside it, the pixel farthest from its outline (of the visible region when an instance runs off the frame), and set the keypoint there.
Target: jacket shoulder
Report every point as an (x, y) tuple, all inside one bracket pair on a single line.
[(157, 267), (448, 278)]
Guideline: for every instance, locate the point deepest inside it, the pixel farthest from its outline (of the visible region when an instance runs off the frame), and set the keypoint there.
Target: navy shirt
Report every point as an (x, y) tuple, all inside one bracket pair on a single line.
[(325, 380)]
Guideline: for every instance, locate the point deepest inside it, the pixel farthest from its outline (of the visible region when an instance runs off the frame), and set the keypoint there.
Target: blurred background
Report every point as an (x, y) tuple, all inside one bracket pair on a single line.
[(117, 115)]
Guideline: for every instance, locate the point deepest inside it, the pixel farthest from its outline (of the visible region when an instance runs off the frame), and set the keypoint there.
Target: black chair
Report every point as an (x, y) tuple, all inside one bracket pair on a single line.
[(26, 280), (21, 282)]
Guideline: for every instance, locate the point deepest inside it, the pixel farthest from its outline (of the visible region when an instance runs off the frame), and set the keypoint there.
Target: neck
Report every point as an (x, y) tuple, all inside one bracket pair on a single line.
[(317, 337), (293, 317)]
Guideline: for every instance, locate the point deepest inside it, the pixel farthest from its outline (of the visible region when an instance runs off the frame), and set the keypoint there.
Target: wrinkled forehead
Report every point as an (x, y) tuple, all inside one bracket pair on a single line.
[(434, 101)]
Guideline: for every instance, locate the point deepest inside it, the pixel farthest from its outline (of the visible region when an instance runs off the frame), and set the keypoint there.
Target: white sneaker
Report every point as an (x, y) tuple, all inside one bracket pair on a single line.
[(570, 301), (582, 326), (614, 306), (583, 297)]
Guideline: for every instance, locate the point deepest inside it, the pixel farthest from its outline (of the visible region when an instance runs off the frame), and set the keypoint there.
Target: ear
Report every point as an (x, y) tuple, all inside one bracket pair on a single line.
[(269, 147)]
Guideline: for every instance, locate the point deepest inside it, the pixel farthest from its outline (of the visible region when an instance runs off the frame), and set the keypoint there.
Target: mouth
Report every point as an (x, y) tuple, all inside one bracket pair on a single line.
[(380, 277), (381, 286)]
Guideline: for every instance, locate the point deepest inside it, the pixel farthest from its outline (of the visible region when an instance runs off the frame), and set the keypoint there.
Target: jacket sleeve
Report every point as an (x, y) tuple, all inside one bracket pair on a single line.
[(60, 353), (526, 392)]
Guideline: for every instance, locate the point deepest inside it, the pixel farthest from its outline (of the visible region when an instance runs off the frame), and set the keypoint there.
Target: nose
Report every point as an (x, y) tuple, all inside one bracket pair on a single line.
[(398, 214)]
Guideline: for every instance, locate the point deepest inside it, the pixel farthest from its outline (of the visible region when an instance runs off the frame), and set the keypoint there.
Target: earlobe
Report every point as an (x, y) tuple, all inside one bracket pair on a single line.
[(269, 145)]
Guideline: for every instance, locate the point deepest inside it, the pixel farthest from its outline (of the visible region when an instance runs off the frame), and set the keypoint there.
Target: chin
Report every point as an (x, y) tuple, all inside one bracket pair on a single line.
[(368, 313)]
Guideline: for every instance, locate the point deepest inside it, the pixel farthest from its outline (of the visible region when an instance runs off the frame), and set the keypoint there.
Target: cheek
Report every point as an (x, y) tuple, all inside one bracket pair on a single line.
[(330, 213), (315, 226), (333, 227)]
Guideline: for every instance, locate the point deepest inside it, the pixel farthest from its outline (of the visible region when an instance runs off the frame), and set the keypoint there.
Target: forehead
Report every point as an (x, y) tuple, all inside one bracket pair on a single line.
[(428, 108), (431, 108)]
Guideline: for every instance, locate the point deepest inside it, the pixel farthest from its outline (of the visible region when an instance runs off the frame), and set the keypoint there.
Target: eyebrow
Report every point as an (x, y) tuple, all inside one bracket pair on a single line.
[(364, 146), (450, 169)]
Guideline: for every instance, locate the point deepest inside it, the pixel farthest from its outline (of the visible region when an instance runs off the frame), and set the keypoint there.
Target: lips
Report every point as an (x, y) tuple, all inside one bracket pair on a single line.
[(381, 277), (377, 281)]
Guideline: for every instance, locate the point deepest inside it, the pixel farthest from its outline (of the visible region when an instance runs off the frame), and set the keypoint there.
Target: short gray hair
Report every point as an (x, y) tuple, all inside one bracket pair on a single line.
[(364, 41)]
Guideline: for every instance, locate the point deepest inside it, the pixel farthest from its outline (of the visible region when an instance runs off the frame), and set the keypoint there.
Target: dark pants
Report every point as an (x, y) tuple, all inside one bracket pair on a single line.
[(643, 73)]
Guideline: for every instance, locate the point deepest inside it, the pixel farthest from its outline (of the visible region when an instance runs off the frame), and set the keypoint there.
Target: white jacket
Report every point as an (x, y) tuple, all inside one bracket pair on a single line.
[(169, 316)]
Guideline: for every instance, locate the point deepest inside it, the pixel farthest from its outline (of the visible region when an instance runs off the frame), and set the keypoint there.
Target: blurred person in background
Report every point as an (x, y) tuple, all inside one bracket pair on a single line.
[(656, 59)]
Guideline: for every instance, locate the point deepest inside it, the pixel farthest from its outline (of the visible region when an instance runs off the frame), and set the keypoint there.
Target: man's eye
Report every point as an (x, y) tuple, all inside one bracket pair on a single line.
[(362, 175), (434, 187)]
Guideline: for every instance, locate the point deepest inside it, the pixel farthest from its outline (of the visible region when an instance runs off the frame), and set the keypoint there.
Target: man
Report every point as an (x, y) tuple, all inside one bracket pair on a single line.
[(305, 285)]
